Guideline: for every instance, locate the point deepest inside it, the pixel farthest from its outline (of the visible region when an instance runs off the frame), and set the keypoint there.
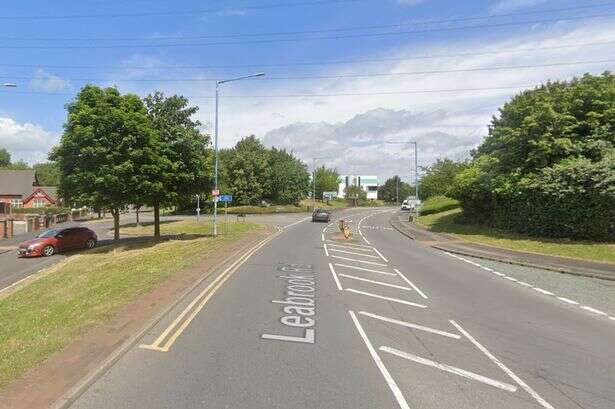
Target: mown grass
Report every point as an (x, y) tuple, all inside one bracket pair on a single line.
[(445, 222), (437, 204), (89, 288), (263, 209)]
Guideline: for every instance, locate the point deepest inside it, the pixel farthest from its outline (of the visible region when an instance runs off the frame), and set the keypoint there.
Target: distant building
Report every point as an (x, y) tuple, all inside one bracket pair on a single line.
[(369, 184), (20, 188)]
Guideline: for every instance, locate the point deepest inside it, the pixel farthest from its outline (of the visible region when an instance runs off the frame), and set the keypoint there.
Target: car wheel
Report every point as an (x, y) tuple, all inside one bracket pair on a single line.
[(90, 244), (48, 251)]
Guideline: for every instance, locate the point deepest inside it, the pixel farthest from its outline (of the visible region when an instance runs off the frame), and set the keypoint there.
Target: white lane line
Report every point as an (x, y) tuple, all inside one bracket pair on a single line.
[(337, 280), (567, 300), (410, 325), (350, 244), (511, 279), (612, 318), (297, 222), (381, 256), (595, 311), (523, 283), (376, 282), (322, 237), (353, 253), (499, 274), (411, 284), (450, 369), (545, 292), (369, 250), (362, 236), (326, 250), (383, 370), (385, 298), (486, 268), (364, 269), (360, 261), (503, 367)]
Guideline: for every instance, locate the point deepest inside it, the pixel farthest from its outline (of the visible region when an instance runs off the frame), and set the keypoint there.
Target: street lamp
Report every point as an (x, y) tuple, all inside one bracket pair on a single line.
[(314, 180), (218, 83), (416, 169)]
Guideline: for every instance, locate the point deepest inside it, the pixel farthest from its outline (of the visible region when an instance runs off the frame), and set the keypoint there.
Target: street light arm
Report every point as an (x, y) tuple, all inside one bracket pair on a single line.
[(260, 74)]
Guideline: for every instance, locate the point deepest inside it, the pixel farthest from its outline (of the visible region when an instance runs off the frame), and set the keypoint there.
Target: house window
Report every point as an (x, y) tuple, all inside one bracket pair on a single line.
[(16, 203), (39, 202)]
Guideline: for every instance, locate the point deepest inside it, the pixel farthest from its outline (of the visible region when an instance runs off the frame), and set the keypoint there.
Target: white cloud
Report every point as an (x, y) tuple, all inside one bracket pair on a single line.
[(25, 141), (504, 6), (46, 82)]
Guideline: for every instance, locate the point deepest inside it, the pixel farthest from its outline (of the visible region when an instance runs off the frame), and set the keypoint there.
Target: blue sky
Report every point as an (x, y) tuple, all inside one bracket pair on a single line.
[(51, 49)]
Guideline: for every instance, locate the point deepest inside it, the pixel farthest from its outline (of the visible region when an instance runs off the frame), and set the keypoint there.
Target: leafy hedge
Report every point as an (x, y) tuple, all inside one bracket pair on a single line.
[(547, 167), (41, 210)]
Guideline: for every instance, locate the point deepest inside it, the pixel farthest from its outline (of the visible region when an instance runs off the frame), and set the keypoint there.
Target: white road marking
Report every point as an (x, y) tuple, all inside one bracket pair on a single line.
[(567, 300), (353, 253), (499, 274), (511, 279), (383, 370), (297, 222), (326, 250), (486, 268), (351, 248), (523, 283), (503, 367), (545, 292), (308, 338), (381, 256), (364, 269), (411, 284), (450, 369), (410, 325), (595, 311), (612, 318), (337, 280), (322, 237), (376, 282), (350, 244), (385, 298), (360, 261)]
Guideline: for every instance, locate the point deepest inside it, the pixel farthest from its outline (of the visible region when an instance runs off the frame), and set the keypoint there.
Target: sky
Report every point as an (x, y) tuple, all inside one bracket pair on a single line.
[(348, 81)]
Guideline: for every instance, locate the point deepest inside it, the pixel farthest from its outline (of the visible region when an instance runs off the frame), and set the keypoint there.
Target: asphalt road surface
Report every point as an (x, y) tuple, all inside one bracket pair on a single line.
[(378, 322)]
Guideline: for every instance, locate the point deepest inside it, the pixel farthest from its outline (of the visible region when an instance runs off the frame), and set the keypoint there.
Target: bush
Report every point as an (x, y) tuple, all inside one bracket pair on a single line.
[(41, 210), (437, 204)]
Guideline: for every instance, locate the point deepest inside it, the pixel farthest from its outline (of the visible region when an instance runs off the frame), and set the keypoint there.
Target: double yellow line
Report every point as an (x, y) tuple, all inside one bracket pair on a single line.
[(168, 337)]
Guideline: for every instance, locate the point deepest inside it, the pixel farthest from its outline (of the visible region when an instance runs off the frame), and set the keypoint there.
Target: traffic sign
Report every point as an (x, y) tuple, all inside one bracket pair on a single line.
[(225, 198), (329, 195), (215, 192)]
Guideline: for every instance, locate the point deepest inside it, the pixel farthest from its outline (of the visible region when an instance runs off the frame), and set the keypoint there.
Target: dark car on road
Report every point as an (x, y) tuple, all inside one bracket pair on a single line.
[(58, 240), (321, 215)]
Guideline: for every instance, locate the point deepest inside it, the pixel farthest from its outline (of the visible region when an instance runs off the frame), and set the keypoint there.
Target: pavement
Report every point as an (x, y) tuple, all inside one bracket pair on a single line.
[(454, 245), (312, 321)]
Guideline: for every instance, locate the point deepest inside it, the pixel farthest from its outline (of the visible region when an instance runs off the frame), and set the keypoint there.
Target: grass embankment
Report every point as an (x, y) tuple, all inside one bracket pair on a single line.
[(444, 222), (437, 204), (89, 288)]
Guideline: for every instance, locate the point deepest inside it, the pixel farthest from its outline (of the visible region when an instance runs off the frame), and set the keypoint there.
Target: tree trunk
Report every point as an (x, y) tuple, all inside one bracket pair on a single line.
[(116, 224), (157, 221), (137, 211)]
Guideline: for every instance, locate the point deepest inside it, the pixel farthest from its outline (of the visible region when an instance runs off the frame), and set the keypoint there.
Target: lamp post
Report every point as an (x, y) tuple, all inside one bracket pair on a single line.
[(416, 169), (218, 83)]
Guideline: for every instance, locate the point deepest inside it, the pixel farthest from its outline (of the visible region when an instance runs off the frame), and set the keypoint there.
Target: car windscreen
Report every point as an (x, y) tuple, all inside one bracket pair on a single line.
[(48, 233)]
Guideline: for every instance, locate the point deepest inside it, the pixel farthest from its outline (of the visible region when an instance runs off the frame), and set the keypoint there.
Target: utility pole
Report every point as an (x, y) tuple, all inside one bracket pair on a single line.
[(416, 179), (218, 83), (397, 190)]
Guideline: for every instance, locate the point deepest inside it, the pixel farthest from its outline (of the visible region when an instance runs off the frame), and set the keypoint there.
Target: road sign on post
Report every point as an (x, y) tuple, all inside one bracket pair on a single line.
[(225, 198), (329, 195)]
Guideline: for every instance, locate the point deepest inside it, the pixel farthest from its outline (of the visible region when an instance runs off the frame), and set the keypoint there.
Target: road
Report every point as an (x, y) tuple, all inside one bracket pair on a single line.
[(379, 322)]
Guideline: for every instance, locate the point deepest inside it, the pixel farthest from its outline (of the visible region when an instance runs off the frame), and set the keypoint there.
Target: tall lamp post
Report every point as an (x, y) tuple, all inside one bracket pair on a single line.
[(218, 83), (416, 169)]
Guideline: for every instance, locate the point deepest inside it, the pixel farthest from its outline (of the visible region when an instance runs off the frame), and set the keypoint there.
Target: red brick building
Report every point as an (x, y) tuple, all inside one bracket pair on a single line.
[(20, 188)]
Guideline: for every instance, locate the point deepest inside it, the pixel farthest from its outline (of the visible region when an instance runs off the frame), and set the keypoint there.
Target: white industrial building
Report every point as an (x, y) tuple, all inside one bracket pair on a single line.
[(369, 184)]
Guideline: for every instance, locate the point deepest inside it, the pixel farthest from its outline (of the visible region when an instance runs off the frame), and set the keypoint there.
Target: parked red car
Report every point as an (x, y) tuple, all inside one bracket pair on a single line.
[(58, 240)]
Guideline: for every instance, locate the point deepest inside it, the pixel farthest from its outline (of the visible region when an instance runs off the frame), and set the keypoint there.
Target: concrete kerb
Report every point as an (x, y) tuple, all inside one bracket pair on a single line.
[(526, 264), (76, 391), (400, 229)]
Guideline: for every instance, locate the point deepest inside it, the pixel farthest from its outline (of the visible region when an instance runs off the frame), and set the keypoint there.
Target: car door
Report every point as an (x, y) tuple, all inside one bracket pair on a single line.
[(66, 239)]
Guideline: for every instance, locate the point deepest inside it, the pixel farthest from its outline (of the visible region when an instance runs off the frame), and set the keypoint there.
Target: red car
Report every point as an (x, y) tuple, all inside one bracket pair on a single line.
[(58, 240)]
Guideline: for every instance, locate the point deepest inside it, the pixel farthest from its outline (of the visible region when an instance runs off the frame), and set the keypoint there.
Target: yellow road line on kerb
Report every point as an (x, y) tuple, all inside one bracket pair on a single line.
[(190, 312)]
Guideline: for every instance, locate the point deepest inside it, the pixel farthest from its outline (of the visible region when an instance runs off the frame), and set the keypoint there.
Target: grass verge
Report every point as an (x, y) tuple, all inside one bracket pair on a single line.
[(437, 204), (89, 288), (444, 222)]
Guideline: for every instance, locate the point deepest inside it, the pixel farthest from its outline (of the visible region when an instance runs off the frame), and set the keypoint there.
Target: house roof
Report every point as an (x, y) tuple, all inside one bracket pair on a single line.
[(52, 191), (17, 182)]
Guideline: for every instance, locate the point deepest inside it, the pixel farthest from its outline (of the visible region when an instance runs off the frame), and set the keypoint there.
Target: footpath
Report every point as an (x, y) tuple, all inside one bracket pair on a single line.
[(451, 244)]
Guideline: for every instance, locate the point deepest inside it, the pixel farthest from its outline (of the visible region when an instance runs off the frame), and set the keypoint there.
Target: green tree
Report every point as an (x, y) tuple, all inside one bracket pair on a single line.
[(327, 180), (438, 178), (107, 155), (289, 179), (389, 190), (5, 158), (185, 164), (247, 171), (47, 173), (355, 192), (545, 167)]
